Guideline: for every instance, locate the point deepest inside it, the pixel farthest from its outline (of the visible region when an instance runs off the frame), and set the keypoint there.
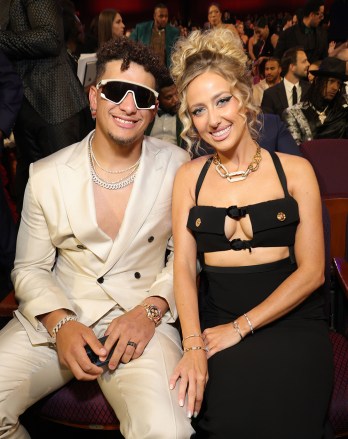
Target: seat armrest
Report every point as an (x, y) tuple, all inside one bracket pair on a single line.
[(340, 266)]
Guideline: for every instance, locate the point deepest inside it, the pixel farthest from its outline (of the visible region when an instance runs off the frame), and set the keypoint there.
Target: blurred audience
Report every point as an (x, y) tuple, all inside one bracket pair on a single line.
[(324, 112)]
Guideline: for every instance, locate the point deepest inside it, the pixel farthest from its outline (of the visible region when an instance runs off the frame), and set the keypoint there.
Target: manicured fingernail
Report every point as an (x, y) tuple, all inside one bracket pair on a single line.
[(189, 414), (195, 414), (171, 387), (181, 403)]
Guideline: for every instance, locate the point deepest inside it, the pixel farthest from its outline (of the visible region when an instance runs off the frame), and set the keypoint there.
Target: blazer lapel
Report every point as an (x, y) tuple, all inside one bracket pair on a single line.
[(151, 172), (77, 189)]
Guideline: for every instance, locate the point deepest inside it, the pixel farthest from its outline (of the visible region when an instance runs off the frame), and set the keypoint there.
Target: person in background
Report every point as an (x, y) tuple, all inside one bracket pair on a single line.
[(166, 125), (260, 324), (271, 73), (294, 86), (314, 66), (90, 262), (307, 33), (215, 18), (55, 110), (110, 25), (157, 34), (242, 34), (324, 112)]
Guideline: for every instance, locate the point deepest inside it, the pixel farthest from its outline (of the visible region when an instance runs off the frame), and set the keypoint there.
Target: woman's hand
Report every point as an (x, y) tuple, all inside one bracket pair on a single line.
[(220, 337), (192, 370)]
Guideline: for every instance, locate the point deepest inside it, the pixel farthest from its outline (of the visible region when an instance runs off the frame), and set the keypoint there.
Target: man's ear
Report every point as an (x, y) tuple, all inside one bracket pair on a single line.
[(93, 92), (154, 111)]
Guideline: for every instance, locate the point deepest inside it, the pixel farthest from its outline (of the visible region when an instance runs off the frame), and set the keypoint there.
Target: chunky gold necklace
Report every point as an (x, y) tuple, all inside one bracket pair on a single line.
[(232, 177)]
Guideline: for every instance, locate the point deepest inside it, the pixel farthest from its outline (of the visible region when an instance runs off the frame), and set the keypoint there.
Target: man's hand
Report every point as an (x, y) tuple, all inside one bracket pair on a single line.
[(132, 332), (71, 340)]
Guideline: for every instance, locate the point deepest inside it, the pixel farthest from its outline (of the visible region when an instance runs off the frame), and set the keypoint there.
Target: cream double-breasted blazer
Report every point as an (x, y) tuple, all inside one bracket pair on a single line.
[(92, 273)]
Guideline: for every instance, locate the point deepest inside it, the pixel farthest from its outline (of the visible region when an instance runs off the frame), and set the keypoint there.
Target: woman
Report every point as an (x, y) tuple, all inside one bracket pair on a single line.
[(110, 25), (258, 234), (215, 18), (242, 35)]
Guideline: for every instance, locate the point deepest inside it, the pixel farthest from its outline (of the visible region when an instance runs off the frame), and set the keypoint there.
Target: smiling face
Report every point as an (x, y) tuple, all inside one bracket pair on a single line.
[(123, 122), (215, 112), (117, 26)]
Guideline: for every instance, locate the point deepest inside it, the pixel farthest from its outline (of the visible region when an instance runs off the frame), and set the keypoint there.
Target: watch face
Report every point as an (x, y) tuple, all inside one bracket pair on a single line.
[(153, 313)]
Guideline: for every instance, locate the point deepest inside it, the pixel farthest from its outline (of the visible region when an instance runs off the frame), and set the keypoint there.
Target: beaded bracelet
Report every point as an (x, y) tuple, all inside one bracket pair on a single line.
[(66, 319), (237, 329), (196, 348), (190, 336), (249, 323)]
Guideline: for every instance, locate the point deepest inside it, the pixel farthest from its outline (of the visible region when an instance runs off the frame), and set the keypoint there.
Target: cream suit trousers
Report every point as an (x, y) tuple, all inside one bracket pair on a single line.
[(138, 391)]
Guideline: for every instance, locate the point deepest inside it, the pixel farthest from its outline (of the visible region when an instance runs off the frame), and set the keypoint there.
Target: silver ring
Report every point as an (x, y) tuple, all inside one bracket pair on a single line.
[(132, 343)]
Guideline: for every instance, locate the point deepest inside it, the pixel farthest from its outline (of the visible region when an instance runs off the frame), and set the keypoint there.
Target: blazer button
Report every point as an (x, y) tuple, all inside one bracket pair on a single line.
[(151, 238), (100, 280), (81, 247), (137, 275)]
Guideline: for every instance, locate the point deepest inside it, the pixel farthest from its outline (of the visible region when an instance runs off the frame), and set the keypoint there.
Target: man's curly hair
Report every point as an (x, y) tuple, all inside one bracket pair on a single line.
[(127, 50), (221, 52)]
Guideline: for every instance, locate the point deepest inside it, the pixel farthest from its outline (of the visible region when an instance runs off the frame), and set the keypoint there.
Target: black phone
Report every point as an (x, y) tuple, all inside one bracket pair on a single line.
[(95, 358)]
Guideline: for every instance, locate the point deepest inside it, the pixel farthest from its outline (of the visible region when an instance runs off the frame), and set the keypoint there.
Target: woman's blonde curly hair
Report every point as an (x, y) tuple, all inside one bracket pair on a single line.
[(220, 51)]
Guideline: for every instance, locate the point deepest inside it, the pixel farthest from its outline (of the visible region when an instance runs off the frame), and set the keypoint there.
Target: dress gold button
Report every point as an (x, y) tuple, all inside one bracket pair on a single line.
[(198, 222), (281, 216)]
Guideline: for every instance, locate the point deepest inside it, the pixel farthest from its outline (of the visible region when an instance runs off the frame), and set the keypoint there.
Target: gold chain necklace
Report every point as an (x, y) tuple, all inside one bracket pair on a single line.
[(114, 185), (232, 177)]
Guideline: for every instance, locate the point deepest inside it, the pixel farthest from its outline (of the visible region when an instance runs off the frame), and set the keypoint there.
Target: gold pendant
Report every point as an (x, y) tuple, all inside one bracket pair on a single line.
[(322, 117)]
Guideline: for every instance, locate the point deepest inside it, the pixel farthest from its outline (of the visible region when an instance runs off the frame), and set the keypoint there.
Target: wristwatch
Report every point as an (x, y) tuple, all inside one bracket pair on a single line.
[(153, 313)]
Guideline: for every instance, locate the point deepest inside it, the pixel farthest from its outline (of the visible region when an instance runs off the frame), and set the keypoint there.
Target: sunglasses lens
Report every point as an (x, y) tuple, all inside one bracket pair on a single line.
[(116, 90)]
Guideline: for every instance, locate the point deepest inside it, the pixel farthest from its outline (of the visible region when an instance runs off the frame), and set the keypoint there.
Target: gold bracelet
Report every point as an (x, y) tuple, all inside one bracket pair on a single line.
[(237, 329), (249, 323), (190, 336), (196, 348)]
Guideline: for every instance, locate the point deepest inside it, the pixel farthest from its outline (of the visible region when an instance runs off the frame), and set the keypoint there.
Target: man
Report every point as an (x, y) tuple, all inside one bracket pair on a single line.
[(90, 262), (306, 33), (292, 89), (157, 34), (54, 111), (324, 113), (272, 72), (166, 125)]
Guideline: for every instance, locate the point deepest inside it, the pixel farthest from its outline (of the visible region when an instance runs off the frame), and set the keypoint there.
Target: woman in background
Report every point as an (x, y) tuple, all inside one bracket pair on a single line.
[(110, 25)]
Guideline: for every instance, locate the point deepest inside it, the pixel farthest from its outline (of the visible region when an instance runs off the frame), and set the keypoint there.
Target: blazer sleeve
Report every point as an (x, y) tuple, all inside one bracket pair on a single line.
[(35, 284), (290, 117), (286, 142), (267, 102), (45, 36)]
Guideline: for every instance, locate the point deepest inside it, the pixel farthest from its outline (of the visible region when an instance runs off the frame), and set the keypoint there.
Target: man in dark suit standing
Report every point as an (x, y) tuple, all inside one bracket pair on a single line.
[(293, 87), (157, 33), (55, 109), (306, 33)]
